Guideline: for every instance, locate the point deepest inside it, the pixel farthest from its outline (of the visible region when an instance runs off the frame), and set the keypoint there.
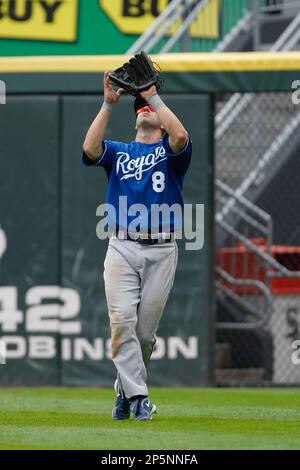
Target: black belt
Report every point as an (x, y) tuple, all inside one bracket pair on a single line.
[(153, 241), (147, 240)]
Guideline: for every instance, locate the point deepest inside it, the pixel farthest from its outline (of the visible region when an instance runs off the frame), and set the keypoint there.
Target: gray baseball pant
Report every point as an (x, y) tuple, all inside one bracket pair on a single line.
[(138, 279)]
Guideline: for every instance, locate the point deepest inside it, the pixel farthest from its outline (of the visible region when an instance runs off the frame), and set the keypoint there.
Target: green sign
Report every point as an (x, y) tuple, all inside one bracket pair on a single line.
[(64, 27), (96, 27)]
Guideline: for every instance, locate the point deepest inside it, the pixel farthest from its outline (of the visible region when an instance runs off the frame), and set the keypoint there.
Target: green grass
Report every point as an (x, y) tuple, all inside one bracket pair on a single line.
[(60, 418)]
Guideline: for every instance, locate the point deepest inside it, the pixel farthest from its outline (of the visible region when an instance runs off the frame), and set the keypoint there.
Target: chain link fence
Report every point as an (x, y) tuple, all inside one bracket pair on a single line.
[(258, 240)]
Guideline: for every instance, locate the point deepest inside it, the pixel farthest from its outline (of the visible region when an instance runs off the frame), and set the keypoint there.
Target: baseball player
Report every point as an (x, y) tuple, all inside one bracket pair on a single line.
[(139, 267)]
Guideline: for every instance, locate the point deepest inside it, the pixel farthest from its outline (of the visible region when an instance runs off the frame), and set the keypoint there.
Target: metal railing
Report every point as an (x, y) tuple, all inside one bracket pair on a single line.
[(184, 26), (238, 102), (262, 316), (183, 17), (229, 216), (266, 230), (265, 225), (275, 5), (267, 165), (257, 307), (148, 40), (243, 25)]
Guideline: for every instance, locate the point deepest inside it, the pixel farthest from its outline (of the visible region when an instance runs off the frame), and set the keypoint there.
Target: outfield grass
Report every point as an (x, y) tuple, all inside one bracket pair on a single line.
[(60, 418)]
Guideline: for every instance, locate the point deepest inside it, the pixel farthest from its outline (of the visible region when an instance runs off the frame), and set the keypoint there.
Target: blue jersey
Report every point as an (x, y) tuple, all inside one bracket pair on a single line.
[(144, 179)]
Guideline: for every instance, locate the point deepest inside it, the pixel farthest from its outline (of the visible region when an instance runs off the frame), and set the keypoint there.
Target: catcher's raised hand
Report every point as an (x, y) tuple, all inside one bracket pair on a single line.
[(110, 95)]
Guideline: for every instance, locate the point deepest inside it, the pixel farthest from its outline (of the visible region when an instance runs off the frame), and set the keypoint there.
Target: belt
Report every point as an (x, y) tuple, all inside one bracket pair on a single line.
[(146, 240), (153, 241)]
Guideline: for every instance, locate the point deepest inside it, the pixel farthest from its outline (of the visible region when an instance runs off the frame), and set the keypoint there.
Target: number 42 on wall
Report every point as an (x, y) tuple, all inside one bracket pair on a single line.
[(40, 316)]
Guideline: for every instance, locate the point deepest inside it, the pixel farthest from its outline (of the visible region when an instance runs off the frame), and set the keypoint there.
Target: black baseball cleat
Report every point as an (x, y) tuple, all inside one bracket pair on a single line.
[(122, 405), (142, 408)]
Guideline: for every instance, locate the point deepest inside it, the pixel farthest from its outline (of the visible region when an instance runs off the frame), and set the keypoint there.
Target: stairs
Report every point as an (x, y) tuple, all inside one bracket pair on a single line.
[(242, 144), (226, 375), (240, 377)]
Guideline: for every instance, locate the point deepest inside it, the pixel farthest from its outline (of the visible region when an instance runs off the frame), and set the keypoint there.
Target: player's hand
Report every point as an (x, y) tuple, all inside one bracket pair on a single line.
[(110, 95), (150, 92)]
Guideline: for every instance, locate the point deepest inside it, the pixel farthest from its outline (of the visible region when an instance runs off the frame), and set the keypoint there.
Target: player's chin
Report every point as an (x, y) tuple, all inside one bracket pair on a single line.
[(147, 117), (144, 120)]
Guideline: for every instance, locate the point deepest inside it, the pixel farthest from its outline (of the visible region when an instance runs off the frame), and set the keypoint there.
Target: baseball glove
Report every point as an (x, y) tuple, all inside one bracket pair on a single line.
[(137, 75)]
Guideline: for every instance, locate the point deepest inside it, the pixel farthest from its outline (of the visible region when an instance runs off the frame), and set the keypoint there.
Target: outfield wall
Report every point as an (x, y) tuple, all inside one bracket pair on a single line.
[(53, 313)]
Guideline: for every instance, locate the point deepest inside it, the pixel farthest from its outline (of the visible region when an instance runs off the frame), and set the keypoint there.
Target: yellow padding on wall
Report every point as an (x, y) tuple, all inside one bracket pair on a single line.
[(172, 62)]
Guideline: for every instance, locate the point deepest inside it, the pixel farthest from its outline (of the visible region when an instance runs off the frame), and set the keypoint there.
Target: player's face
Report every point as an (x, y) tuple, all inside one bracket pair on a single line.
[(148, 117)]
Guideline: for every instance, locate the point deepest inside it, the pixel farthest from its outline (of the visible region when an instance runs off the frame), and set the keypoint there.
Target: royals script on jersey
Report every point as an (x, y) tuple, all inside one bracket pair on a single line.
[(150, 175)]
